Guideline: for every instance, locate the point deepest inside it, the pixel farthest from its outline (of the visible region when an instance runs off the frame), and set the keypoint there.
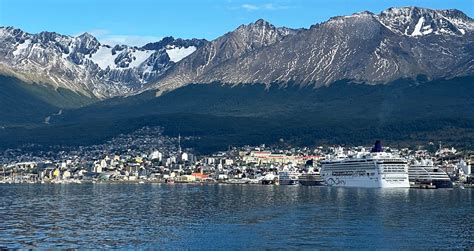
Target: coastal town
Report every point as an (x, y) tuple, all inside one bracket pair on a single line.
[(148, 156)]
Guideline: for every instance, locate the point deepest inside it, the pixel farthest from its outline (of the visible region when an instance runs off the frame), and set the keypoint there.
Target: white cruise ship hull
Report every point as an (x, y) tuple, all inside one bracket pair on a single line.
[(375, 169), (364, 181)]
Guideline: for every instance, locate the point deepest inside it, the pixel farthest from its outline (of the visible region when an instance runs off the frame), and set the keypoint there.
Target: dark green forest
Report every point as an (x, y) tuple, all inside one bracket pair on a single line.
[(404, 112)]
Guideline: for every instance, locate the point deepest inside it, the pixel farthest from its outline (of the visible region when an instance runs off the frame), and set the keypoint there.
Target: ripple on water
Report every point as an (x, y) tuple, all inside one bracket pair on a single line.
[(223, 216)]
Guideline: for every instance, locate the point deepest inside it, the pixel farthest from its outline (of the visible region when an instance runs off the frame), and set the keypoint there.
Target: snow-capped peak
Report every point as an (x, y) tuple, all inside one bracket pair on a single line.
[(416, 22), (84, 65)]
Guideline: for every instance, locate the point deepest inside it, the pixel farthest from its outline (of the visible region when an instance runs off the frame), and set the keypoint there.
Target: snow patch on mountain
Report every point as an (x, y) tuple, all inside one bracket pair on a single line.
[(138, 57), (104, 58), (178, 53), (417, 31), (20, 47)]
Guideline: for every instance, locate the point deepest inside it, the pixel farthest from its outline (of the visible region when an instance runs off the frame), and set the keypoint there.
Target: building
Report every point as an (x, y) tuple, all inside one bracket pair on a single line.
[(184, 157), (186, 178), (156, 155), (267, 157)]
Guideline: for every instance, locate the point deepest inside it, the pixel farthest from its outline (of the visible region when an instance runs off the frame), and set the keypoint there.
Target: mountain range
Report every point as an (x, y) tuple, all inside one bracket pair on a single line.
[(256, 71), (83, 65), (363, 47)]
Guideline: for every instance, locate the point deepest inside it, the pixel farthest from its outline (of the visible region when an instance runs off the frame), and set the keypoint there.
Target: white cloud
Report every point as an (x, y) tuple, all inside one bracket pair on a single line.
[(249, 7), (266, 6), (106, 37)]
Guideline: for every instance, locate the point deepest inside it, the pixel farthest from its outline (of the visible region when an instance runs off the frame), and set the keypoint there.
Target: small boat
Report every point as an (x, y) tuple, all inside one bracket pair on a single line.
[(287, 177), (269, 179), (237, 181), (311, 178)]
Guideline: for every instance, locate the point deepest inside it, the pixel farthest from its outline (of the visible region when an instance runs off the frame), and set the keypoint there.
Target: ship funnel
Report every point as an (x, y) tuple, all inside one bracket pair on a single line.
[(377, 147)]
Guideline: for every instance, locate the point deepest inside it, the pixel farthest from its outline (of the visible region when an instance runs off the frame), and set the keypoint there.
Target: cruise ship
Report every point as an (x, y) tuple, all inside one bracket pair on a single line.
[(425, 173), (374, 169)]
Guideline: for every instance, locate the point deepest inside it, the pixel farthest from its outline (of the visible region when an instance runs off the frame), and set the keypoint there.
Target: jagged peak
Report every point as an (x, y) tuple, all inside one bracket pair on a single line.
[(263, 25), (13, 31), (48, 35), (410, 11), (170, 40), (455, 13), (408, 14), (261, 22), (88, 39), (6, 27), (415, 10), (403, 10), (418, 21), (86, 35)]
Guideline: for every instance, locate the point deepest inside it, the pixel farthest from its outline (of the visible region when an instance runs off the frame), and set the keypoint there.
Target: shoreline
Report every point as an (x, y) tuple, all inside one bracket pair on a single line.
[(456, 186)]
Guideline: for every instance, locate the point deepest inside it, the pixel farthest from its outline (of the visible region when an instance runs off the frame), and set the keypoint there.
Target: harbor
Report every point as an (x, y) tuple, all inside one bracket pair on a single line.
[(147, 156), (181, 216)]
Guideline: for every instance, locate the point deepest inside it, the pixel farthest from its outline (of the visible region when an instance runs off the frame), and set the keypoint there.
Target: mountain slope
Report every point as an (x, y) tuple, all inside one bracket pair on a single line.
[(405, 111), (28, 103), (363, 47), (405, 74), (246, 39), (83, 65), (341, 101)]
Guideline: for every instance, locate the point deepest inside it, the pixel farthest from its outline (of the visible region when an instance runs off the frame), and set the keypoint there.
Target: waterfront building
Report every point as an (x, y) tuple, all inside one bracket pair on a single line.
[(186, 178), (66, 174), (97, 168)]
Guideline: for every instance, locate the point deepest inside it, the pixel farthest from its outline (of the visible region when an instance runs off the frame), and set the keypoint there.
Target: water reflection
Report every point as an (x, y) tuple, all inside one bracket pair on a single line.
[(232, 216)]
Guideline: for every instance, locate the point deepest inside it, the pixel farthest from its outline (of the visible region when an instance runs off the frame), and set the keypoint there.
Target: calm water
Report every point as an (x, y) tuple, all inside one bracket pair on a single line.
[(232, 216)]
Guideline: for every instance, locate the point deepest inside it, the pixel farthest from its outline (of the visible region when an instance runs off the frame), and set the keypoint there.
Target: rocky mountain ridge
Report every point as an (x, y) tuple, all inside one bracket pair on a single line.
[(364, 47), (84, 65)]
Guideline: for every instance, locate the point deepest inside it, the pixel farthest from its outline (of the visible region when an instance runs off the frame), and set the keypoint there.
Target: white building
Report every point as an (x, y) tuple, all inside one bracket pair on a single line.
[(210, 161), (184, 157), (156, 155), (97, 168), (103, 163), (465, 168)]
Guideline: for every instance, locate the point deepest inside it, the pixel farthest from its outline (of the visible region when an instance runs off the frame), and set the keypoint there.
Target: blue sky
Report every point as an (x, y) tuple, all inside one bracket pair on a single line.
[(139, 21)]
